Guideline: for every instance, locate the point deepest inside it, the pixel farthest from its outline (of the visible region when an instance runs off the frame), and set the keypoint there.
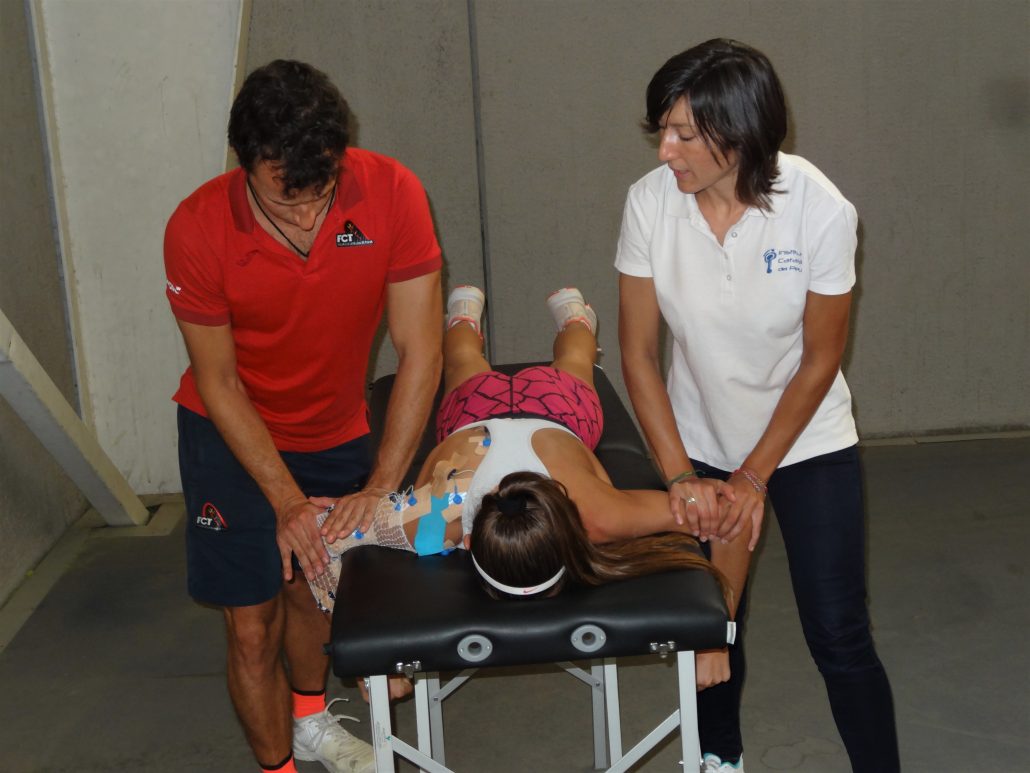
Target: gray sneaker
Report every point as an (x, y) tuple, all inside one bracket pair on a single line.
[(465, 304), (567, 305), (319, 738)]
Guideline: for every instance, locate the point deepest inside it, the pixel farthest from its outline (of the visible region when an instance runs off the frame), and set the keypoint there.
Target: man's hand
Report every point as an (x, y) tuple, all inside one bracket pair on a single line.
[(712, 667), (353, 512), (297, 535)]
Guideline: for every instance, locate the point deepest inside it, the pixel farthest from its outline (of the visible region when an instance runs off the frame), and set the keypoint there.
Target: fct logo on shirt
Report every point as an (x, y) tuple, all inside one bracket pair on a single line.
[(783, 260), (352, 236)]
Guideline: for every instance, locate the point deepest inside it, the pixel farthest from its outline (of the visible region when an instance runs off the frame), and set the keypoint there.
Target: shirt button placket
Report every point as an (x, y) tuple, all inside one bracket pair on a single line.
[(730, 239)]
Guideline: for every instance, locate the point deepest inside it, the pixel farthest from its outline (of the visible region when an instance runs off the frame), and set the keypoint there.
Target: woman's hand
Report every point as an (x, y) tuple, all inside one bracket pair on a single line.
[(712, 667), (353, 512), (747, 506), (695, 502)]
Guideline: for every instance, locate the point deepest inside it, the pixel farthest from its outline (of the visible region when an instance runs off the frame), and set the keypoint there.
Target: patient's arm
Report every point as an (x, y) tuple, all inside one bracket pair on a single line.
[(395, 525), (607, 513), (610, 514), (732, 559), (386, 529)]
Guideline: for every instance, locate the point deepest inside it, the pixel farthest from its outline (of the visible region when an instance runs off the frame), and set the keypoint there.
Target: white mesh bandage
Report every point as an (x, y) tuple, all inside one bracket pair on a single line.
[(387, 530)]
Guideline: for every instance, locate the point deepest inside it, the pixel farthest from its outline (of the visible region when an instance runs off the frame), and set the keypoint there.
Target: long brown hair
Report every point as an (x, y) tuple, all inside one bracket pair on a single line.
[(526, 532)]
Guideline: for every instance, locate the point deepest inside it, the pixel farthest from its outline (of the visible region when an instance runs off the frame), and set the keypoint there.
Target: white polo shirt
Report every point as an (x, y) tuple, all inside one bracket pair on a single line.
[(735, 311)]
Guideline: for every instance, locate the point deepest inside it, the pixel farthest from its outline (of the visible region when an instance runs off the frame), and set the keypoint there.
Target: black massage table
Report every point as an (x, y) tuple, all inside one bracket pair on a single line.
[(441, 620)]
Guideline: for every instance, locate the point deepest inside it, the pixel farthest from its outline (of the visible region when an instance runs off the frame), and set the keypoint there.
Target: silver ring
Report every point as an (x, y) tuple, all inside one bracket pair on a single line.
[(691, 500)]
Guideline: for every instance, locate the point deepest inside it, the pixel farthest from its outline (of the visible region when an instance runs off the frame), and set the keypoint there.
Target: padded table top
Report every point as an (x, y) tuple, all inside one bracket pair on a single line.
[(393, 606)]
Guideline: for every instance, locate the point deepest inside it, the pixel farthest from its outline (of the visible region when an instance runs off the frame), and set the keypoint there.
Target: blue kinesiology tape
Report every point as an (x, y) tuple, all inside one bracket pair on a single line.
[(431, 527)]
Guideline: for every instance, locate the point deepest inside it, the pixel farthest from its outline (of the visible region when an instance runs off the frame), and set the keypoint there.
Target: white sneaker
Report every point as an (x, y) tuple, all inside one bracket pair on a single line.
[(710, 763), (465, 304), (567, 306), (319, 738)]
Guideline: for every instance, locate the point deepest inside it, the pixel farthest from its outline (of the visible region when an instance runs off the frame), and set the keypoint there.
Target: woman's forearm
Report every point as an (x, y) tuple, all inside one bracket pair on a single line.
[(825, 331), (796, 407), (653, 409)]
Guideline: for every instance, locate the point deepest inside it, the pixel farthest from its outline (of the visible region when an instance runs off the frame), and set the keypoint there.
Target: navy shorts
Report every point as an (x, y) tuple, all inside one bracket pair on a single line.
[(231, 555)]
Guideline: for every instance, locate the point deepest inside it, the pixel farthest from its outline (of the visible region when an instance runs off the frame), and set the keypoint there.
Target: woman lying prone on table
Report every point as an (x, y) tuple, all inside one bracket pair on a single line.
[(514, 480)]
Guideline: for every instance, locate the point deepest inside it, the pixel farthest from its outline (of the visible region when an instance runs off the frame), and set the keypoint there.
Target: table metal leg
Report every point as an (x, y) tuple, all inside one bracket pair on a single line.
[(689, 738), (379, 713)]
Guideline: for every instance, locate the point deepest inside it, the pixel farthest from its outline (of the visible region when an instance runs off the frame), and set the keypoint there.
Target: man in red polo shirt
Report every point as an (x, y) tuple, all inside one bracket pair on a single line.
[(278, 274)]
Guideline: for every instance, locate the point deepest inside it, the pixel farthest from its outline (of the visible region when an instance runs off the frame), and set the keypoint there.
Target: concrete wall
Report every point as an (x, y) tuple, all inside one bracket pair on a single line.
[(37, 501), (141, 90), (917, 110), (135, 97)]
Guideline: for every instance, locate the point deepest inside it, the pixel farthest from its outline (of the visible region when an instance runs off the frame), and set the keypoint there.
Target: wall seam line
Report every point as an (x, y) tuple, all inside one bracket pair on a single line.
[(477, 115)]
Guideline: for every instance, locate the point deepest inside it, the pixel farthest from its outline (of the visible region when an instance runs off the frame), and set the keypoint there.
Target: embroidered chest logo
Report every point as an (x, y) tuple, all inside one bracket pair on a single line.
[(352, 236), (210, 518), (777, 261)]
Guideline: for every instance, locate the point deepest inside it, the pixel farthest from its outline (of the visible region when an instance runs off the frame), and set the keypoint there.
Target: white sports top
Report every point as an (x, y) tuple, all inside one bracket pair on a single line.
[(510, 450), (736, 310)]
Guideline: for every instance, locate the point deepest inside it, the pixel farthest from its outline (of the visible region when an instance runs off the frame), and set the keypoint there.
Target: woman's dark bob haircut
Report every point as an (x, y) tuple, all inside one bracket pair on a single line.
[(737, 104), (291, 114)]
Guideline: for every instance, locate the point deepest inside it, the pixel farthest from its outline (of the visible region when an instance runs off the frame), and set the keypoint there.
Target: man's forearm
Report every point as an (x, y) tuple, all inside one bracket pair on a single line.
[(243, 430), (411, 399)]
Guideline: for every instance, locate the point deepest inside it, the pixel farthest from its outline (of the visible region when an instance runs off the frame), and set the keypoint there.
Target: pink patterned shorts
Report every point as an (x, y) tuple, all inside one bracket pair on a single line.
[(537, 391)]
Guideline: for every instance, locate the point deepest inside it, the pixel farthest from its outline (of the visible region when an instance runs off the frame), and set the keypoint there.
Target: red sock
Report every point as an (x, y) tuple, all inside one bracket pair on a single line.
[(306, 704), (286, 766)]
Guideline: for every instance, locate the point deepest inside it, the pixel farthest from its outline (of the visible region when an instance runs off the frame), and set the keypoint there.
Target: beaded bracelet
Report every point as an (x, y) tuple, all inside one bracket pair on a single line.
[(682, 477), (752, 478)]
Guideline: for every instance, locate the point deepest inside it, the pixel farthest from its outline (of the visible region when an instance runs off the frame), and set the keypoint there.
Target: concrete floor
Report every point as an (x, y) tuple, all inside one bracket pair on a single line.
[(115, 669)]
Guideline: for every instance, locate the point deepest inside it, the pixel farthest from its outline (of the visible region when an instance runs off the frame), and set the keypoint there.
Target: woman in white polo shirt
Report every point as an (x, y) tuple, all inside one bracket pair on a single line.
[(748, 255)]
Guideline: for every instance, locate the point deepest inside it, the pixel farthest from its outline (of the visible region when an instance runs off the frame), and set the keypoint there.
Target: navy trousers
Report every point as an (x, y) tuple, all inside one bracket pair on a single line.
[(819, 507)]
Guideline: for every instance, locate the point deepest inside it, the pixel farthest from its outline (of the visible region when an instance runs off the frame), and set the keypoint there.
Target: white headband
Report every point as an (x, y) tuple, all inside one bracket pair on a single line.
[(528, 591)]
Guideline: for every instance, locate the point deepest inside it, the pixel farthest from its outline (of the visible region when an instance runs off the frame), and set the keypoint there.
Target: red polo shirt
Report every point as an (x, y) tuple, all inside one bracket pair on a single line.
[(303, 329)]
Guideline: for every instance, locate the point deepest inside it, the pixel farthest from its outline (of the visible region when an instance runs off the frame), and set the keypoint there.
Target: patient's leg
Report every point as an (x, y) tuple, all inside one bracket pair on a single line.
[(575, 346), (463, 341)]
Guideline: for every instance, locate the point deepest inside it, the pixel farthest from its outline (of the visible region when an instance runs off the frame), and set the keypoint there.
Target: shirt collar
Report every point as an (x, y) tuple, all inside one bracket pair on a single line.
[(242, 217), (348, 193), (685, 204)]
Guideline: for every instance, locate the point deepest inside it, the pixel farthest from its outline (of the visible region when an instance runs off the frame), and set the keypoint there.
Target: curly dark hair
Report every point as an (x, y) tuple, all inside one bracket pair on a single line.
[(527, 547), (737, 103), (289, 113)]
